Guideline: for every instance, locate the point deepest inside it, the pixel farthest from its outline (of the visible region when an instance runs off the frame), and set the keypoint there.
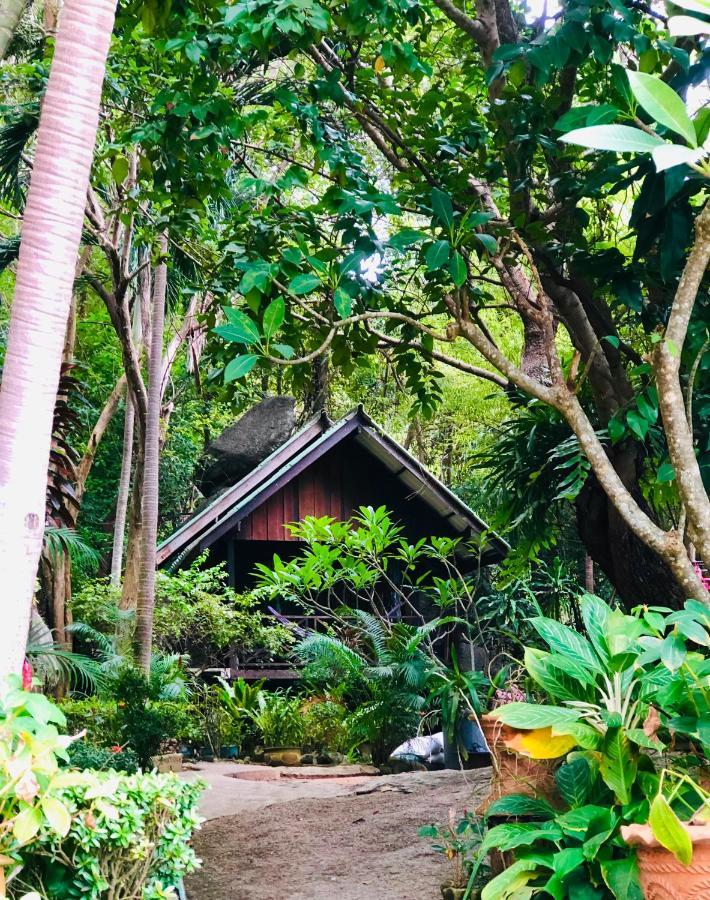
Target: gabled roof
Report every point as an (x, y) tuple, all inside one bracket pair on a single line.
[(299, 452)]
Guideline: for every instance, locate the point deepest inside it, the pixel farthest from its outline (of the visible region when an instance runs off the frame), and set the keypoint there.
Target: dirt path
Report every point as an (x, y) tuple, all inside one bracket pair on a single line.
[(359, 846)]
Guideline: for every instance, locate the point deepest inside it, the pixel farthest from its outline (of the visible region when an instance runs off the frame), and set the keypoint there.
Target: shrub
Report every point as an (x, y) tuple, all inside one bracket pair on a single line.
[(83, 755), (278, 719), (96, 716), (324, 725), (144, 720), (129, 839)]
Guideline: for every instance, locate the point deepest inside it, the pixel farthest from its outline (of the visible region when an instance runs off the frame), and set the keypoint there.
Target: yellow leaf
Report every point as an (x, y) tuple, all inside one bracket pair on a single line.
[(57, 815), (541, 744), (26, 825), (379, 65)]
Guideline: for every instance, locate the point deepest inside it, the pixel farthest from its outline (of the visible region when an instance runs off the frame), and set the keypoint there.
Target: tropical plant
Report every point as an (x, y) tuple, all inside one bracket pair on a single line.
[(84, 755), (240, 699), (137, 846), (612, 696), (30, 777), (278, 719), (459, 841), (324, 725)]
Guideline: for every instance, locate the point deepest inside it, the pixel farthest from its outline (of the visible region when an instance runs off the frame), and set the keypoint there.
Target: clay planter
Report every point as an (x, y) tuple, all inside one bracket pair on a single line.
[(167, 762), (282, 756), (451, 892), (513, 773), (662, 876)]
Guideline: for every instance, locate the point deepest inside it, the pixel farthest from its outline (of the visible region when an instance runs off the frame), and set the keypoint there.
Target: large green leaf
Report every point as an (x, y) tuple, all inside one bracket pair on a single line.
[(244, 329), (442, 207), (595, 613), (565, 641), (554, 681), (669, 831), (621, 138), (663, 104), (520, 805), (519, 834), (304, 284), (622, 878), (506, 885), (584, 116), (574, 779), (617, 764), (274, 315), (437, 255), (530, 715), (239, 367)]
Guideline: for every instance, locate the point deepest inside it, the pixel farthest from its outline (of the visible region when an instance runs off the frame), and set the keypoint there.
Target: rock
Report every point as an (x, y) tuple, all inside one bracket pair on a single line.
[(246, 443), (307, 759)]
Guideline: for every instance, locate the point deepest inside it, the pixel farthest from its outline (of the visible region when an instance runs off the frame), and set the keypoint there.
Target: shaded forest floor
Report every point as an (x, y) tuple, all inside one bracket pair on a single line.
[(360, 844)]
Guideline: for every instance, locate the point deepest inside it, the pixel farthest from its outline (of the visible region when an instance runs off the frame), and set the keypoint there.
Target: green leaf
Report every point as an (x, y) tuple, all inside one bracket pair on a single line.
[(621, 138), (239, 367), (698, 6), (663, 104), (506, 885), (442, 207), (574, 779), (670, 155), (617, 765), (406, 237), (343, 303), (274, 315), (243, 329), (555, 682), (488, 242), (673, 652), (622, 878), (285, 350), (519, 834), (584, 116), (26, 825), (564, 640), (437, 255), (520, 805), (304, 284), (119, 169), (637, 423), (595, 614), (57, 815), (530, 715), (668, 830), (457, 268)]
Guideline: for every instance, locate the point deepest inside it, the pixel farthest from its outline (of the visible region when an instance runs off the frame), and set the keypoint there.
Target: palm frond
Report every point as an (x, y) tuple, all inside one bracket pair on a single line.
[(67, 540), (9, 251), (20, 125)]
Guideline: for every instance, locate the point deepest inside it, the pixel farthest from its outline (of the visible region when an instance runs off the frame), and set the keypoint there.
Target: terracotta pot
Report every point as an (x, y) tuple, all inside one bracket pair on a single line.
[(282, 756), (513, 773), (662, 876)]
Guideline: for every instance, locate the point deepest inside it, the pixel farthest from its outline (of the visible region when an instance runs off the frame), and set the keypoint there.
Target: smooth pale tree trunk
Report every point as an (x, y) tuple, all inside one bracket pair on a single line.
[(10, 15), (151, 494), (43, 291), (124, 489)]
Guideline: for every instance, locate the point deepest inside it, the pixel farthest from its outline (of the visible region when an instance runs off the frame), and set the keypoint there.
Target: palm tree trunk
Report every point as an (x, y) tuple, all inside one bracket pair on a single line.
[(151, 494), (51, 234), (10, 15), (124, 488)]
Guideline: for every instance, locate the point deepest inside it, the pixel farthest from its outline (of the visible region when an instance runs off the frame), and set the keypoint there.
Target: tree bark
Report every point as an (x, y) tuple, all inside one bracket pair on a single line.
[(151, 493), (51, 234), (124, 487), (10, 15), (104, 420)]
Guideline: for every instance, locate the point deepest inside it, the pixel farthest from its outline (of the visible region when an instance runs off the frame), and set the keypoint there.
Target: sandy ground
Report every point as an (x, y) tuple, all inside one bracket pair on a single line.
[(353, 838)]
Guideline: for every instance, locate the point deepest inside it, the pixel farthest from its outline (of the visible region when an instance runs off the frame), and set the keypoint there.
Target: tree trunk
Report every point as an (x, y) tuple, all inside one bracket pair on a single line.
[(124, 486), (51, 234), (10, 15), (151, 493)]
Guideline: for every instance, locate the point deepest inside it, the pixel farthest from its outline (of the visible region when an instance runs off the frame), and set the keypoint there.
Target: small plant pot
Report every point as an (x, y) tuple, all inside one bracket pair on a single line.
[(282, 756), (662, 876), (207, 754), (513, 773), (229, 751), (452, 892), (167, 762)]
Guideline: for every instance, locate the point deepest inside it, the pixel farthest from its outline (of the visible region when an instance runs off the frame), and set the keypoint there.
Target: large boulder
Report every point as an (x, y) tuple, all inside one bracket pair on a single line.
[(246, 443)]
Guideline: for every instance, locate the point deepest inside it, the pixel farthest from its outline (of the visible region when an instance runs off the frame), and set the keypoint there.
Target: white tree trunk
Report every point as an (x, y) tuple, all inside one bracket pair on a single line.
[(124, 489), (43, 290), (10, 15), (146, 586)]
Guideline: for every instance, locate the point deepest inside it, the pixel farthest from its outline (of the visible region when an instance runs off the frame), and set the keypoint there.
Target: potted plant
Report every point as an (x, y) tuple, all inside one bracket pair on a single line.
[(458, 842), (278, 718), (673, 847)]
